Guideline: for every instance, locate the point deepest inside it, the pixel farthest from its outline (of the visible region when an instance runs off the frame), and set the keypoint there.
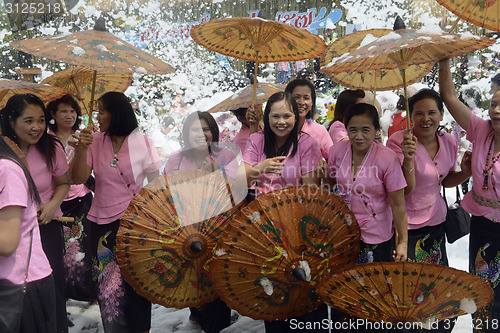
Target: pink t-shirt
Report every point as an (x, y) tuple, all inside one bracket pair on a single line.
[(424, 205), (41, 174), (115, 187), (480, 134), (380, 173), (14, 192), (320, 134), (224, 157), (303, 162), (75, 191), (337, 132)]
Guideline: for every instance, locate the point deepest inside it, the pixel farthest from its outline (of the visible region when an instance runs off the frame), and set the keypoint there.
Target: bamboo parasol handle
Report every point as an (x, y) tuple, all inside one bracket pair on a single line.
[(78, 92), (64, 219), (94, 79)]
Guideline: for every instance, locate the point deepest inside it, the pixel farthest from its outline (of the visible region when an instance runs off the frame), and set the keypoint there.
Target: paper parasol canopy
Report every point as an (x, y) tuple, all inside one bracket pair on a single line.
[(405, 292), (276, 249), (167, 234)]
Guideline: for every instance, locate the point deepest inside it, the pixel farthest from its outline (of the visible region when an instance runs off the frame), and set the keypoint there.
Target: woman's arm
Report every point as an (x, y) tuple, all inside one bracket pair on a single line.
[(80, 170), (10, 229), (409, 149), (397, 202), (61, 188), (458, 110), (456, 178)]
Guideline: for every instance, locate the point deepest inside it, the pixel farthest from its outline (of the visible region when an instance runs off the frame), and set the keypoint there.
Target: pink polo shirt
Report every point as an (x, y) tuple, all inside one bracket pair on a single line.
[(424, 205), (242, 137), (337, 132), (115, 187), (320, 134), (15, 193), (224, 157), (75, 191), (380, 173), (480, 134), (303, 162), (41, 174)]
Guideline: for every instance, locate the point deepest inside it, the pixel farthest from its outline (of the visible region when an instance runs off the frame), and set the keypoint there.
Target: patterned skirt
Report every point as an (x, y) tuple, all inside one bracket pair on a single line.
[(122, 310), (484, 261), (78, 255)]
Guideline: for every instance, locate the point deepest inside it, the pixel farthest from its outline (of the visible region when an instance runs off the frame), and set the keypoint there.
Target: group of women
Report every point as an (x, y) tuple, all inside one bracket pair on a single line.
[(52, 166), (394, 190)]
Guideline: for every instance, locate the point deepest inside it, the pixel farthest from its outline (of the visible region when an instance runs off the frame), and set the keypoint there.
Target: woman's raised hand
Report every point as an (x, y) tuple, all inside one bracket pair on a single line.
[(84, 139), (409, 146)]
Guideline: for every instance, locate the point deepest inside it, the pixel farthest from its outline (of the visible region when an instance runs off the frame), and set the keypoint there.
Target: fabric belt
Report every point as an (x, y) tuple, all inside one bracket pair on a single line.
[(486, 202)]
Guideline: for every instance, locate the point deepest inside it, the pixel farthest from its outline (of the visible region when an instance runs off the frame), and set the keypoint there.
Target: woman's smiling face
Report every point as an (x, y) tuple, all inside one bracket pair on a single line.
[(30, 125)]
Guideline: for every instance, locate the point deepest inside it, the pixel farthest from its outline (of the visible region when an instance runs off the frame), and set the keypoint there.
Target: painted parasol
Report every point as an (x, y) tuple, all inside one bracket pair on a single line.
[(275, 250), (402, 48), (382, 79), (78, 82), (243, 97), (483, 13), (95, 49), (167, 234), (405, 292), (46, 93), (258, 40)]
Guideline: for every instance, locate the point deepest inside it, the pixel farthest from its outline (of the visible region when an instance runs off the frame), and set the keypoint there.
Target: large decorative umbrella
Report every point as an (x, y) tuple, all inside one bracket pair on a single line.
[(46, 93), (95, 49), (78, 82), (276, 249), (484, 13), (258, 40), (405, 292), (382, 79), (167, 234), (243, 97), (402, 47)]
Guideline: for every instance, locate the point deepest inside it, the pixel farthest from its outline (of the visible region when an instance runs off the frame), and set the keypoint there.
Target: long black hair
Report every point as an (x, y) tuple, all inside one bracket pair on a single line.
[(360, 109), (270, 137), (123, 119), (13, 110), (304, 82), (69, 100), (6, 153)]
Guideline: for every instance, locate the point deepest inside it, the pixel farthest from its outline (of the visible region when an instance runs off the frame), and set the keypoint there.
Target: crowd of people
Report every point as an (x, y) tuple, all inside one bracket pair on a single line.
[(50, 169)]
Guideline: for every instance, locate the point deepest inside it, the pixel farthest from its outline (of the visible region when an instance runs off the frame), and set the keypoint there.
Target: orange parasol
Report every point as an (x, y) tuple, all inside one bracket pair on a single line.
[(276, 249), (78, 82), (167, 234), (243, 97), (484, 13), (95, 49), (405, 292), (402, 47), (46, 93), (382, 79), (258, 40)]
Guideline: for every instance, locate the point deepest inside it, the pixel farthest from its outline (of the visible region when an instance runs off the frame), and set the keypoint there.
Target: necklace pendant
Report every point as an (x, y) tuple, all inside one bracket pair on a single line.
[(485, 182), (114, 162)]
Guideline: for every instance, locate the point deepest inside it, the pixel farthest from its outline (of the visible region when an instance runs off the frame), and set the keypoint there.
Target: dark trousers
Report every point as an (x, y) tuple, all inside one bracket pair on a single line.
[(53, 246)]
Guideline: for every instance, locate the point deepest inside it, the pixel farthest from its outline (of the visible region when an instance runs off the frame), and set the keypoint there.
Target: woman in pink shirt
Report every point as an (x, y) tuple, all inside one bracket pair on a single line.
[(304, 93), (346, 99), (369, 179), (19, 232), (278, 157), (484, 199), (65, 119), (121, 158), (25, 121)]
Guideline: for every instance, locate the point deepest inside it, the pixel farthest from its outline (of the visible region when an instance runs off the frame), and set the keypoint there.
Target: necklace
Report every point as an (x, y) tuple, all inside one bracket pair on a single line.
[(488, 166), (114, 161)]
